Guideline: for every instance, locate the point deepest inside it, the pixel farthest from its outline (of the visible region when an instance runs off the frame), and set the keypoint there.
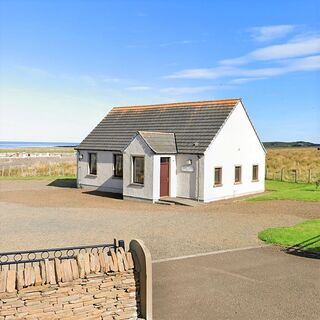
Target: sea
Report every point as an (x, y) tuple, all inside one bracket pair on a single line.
[(34, 144)]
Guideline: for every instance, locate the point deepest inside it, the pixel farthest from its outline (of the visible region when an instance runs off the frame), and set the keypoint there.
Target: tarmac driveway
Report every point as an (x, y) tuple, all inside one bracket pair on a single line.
[(255, 284), (44, 214)]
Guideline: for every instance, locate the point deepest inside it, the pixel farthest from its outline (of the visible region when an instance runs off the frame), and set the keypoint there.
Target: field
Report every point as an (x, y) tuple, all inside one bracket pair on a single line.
[(286, 164), (305, 235), (293, 164), (43, 162), (278, 190)]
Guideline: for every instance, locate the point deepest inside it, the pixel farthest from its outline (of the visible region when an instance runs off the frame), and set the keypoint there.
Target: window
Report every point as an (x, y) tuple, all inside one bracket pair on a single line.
[(93, 163), (255, 172), (237, 174), (118, 165), (217, 177), (138, 170)]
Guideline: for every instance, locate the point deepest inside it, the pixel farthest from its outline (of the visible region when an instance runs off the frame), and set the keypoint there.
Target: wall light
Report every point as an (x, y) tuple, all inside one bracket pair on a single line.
[(189, 162)]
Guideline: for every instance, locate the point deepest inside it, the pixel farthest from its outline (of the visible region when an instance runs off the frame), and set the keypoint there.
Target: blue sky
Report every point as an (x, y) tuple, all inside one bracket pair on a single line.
[(63, 64)]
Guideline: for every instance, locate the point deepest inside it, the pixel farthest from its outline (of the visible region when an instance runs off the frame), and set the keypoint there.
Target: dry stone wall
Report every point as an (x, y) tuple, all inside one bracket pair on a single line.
[(91, 286)]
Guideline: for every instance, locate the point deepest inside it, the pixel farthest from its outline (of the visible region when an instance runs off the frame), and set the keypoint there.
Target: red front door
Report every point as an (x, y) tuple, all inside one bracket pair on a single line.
[(164, 177)]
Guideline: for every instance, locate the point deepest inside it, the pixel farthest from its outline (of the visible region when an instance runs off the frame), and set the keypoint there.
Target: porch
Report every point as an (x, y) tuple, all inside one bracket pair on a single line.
[(162, 172)]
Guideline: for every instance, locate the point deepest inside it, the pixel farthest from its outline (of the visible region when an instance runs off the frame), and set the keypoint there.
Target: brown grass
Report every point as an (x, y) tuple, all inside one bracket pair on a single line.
[(41, 169), (282, 162), (305, 160)]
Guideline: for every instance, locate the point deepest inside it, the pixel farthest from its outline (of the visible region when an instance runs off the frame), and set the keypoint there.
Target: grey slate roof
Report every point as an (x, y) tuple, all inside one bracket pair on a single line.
[(159, 142), (194, 124)]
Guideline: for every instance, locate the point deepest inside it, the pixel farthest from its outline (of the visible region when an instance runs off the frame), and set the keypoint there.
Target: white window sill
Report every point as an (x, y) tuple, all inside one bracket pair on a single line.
[(217, 185)]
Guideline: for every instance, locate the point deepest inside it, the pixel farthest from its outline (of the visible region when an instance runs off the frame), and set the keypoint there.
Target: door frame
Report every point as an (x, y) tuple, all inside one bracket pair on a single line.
[(169, 177)]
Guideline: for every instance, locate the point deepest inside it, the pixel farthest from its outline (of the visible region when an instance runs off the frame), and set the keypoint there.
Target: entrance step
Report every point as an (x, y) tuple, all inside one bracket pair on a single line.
[(181, 201), (166, 203)]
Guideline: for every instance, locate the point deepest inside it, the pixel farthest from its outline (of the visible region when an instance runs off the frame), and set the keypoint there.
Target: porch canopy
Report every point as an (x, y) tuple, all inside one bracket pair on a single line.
[(159, 142)]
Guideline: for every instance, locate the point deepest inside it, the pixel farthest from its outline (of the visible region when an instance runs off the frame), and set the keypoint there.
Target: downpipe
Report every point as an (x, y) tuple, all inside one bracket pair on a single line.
[(198, 175)]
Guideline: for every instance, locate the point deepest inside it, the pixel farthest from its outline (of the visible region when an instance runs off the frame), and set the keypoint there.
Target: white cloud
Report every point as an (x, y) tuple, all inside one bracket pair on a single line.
[(203, 73), (138, 88), (135, 45), (309, 63), (188, 90), (304, 64), (34, 71), (297, 48), (110, 79), (89, 80), (179, 42), (299, 54), (86, 79), (267, 33), (288, 50), (245, 80), (163, 44)]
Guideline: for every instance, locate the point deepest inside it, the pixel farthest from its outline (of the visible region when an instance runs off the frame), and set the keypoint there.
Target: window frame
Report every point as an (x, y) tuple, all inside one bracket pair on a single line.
[(133, 157), (90, 170), (257, 173), (240, 174), (115, 175), (214, 178)]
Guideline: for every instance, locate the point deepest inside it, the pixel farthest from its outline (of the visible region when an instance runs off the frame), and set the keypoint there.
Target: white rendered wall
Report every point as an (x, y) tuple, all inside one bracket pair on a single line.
[(187, 181), (201, 178), (138, 147), (235, 144), (104, 180), (172, 176)]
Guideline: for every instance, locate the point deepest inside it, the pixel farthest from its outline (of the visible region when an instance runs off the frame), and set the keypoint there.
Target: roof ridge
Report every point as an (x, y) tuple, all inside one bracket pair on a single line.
[(142, 131), (179, 104)]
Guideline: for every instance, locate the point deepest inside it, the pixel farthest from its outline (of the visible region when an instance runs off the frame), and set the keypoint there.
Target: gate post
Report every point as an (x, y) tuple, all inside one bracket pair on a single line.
[(143, 265)]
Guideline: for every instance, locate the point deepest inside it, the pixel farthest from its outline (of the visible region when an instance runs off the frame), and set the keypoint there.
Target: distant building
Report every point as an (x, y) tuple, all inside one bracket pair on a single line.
[(206, 150)]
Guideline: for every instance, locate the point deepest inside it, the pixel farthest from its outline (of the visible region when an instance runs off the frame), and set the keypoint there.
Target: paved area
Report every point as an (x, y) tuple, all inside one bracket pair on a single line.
[(36, 214), (68, 158), (252, 284)]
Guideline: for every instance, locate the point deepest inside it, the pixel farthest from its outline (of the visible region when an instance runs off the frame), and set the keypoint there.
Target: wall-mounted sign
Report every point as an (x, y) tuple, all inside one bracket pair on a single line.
[(187, 168)]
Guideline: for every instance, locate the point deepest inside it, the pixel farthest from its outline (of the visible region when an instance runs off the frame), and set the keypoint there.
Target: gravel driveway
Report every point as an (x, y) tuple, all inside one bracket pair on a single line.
[(36, 214)]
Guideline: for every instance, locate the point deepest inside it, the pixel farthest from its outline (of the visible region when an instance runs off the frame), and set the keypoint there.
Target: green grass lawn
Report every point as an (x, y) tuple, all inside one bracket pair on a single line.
[(307, 234), (289, 191)]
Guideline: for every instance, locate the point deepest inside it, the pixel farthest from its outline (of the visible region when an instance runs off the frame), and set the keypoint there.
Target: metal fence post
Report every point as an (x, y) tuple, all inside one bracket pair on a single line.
[(121, 244)]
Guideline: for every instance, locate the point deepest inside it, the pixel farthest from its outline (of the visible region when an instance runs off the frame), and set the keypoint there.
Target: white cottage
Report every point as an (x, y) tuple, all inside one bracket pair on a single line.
[(206, 150)]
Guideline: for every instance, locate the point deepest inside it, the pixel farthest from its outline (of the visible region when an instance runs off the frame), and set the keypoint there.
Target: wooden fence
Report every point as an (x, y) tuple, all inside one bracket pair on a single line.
[(294, 175)]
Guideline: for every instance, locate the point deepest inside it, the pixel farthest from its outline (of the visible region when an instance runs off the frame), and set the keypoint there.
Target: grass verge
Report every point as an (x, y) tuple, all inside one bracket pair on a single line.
[(305, 235), (288, 191)]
